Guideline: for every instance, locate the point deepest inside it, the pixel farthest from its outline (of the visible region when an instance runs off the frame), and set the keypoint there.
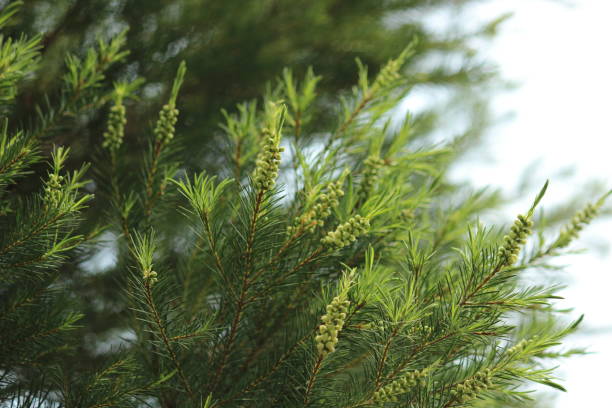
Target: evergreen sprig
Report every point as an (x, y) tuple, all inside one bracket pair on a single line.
[(229, 292)]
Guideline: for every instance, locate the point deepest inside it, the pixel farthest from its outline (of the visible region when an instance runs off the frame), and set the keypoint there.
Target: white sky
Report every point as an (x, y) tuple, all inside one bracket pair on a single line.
[(561, 56)]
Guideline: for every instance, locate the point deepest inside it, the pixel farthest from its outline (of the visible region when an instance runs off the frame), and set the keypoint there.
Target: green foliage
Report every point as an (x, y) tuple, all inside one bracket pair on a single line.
[(39, 234), (234, 49), (235, 52), (369, 282), (17, 59)]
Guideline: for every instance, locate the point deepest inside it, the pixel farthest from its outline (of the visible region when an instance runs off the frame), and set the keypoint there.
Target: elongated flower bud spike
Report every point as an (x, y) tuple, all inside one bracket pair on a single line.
[(115, 127), (579, 221), (164, 128), (324, 204), (346, 233), (268, 161), (520, 346), (472, 387), (402, 385), (508, 252), (334, 318), (372, 166), (168, 116), (391, 72)]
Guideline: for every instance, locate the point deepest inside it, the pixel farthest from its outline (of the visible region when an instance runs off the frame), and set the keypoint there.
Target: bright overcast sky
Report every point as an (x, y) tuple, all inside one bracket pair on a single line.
[(561, 56)]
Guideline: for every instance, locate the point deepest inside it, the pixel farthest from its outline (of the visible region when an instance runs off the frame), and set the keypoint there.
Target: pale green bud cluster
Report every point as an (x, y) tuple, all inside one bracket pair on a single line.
[(346, 233), (422, 331), (402, 385), (579, 221), (371, 171), (53, 188), (333, 321), (164, 128), (322, 208), (521, 345), (389, 73), (266, 165), (508, 252), (470, 388), (149, 276), (115, 128), (408, 213)]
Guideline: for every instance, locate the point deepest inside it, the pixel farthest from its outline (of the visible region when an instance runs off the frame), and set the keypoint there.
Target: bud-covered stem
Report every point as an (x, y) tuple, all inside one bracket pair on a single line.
[(402, 385), (470, 388), (346, 233), (268, 160), (322, 208), (115, 127)]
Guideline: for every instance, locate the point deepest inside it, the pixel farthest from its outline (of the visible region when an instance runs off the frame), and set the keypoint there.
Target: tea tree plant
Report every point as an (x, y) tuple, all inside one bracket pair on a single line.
[(358, 287), (325, 265)]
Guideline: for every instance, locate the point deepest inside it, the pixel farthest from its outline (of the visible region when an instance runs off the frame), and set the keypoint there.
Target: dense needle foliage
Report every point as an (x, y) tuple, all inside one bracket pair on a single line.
[(325, 264)]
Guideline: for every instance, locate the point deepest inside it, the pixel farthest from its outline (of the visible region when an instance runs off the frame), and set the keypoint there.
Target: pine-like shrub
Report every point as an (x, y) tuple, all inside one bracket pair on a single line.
[(324, 266)]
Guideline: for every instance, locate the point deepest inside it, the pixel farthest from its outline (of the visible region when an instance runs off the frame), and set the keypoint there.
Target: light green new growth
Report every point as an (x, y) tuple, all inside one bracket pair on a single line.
[(88, 73), (18, 57), (143, 249), (299, 98), (402, 385), (115, 127), (347, 233), (390, 73), (53, 186), (268, 160), (334, 319), (324, 204), (203, 192), (164, 128), (472, 387)]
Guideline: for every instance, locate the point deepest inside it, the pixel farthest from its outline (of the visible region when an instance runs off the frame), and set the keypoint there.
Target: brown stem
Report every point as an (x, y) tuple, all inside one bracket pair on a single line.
[(311, 381), (415, 352), (212, 242), (152, 171), (486, 280), (242, 300), (166, 339), (282, 250), (35, 231), (16, 159), (272, 370), (383, 359)]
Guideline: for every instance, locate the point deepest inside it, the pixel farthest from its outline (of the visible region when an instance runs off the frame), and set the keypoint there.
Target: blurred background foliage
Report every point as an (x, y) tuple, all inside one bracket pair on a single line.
[(233, 48)]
